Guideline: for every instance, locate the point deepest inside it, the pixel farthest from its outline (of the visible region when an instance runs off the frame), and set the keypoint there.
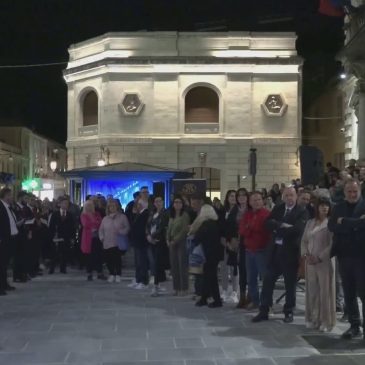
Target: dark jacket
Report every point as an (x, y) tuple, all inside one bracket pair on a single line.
[(161, 222), (290, 249), (349, 236), (63, 226), (138, 230), (208, 236), (5, 232)]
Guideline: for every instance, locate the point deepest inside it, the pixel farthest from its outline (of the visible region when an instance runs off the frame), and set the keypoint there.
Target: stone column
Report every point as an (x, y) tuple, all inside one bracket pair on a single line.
[(361, 119)]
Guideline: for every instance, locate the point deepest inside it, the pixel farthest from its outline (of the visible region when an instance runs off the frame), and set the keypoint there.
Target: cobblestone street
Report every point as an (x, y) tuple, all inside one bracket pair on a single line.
[(66, 320)]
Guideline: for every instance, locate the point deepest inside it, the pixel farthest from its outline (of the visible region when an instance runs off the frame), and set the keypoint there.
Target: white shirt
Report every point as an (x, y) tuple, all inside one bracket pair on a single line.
[(13, 228)]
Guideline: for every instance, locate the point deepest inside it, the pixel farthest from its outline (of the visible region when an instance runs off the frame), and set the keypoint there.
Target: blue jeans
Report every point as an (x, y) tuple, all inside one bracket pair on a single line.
[(255, 265)]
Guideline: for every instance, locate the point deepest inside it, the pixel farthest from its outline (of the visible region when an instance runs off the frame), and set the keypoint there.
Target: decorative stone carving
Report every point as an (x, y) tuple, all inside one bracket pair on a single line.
[(131, 104), (274, 105)]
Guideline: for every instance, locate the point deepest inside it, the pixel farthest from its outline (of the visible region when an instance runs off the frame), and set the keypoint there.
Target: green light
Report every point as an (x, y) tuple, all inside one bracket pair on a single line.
[(31, 184)]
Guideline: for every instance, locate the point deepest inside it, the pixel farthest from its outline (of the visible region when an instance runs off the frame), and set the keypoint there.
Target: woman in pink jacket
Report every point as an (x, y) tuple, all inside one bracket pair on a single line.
[(90, 243)]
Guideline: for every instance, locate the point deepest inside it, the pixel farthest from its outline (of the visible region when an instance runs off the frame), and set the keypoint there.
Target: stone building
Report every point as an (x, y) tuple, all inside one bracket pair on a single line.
[(187, 101), (352, 57), (27, 156)]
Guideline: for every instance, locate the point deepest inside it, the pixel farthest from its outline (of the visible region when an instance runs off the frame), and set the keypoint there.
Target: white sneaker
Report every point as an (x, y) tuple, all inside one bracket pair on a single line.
[(234, 297), (155, 292), (132, 285), (161, 289), (140, 286), (224, 295), (117, 278), (111, 279)]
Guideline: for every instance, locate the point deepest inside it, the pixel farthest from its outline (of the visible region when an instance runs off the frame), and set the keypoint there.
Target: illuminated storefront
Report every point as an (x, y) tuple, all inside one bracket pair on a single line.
[(44, 188), (121, 181)]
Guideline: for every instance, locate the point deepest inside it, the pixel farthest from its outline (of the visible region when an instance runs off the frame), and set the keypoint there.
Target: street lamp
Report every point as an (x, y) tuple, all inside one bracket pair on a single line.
[(53, 165), (101, 162)]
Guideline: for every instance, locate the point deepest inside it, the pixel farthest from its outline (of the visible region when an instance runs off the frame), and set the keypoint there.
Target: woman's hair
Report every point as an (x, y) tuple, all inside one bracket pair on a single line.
[(206, 212), (322, 201), (89, 206), (226, 203), (242, 191), (108, 204), (172, 208)]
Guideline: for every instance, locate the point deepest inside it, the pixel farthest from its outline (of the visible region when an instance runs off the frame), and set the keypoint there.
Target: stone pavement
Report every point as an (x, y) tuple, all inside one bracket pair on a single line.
[(66, 320)]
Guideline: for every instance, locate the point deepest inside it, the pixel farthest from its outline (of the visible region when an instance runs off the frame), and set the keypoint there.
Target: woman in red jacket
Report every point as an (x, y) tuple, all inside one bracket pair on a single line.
[(90, 243), (256, 239)]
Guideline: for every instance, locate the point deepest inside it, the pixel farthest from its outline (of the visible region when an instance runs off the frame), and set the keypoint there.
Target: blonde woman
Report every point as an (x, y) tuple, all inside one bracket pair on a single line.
[(320, 309), (90, 244), (176, 240), (114, 224), (206, 233)]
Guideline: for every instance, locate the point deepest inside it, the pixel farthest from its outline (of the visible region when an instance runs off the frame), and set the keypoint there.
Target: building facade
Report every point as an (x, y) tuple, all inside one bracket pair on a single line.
[(323, 125), (187, 101), (352, 57), (27, 156)]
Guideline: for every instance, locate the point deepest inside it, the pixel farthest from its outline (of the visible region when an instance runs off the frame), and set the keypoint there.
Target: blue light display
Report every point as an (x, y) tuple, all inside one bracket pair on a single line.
[(119, 189)]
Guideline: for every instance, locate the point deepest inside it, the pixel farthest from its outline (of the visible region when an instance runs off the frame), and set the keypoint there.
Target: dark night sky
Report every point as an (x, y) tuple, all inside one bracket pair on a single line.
[(40, 31)]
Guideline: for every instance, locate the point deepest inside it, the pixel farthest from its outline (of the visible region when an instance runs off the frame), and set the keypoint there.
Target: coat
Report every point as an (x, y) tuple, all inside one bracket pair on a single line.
[(138, 230), (349, 236), (320, 308), (208, 236), (111, 227), (289, 251), (90, 226), (252, 228)]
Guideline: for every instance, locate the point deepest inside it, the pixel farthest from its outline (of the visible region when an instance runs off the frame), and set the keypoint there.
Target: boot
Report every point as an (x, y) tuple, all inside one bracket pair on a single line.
[(242, 302)]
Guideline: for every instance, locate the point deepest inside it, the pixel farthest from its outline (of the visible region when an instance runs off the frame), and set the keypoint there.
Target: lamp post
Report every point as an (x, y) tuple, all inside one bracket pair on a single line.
[(253, 167)]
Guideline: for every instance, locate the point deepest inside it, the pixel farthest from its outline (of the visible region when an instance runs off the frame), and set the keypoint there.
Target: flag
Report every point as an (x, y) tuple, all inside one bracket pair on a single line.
[(330, 8)]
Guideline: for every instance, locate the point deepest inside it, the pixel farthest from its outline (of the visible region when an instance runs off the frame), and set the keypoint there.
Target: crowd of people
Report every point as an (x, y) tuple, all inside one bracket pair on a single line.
[(291, 231)]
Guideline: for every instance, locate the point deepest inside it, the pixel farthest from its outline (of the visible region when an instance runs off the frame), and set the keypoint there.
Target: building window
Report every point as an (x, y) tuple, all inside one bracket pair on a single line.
[(90, 109), (201, 105)]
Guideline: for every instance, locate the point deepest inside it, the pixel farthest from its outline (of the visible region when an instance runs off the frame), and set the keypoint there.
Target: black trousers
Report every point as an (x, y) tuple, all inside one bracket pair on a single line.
[(210, 281), (277, 267), (242, 268), (141, 264), (157, 262), (60, 253), (94, 260), (113, 260), (4, 262), (352, 271), (19, 256)]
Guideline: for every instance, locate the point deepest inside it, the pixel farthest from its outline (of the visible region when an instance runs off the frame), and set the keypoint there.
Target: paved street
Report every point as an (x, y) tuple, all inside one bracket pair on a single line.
[(66, 320)]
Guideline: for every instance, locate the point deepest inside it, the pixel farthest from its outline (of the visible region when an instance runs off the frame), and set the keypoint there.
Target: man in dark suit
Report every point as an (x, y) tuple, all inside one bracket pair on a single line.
[(347, 222), (62, 229), (8, 237), (23, 212), (286, 222)]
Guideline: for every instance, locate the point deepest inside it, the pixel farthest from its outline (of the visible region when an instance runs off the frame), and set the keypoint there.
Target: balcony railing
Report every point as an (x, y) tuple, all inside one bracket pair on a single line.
[(201, 128)]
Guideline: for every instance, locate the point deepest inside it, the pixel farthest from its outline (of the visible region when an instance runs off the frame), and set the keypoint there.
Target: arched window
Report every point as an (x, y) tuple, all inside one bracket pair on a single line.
[(201, 105), (90, 109)]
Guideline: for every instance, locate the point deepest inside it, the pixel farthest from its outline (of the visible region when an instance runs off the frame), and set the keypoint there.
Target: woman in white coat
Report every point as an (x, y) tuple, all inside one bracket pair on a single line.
[(320, 308)]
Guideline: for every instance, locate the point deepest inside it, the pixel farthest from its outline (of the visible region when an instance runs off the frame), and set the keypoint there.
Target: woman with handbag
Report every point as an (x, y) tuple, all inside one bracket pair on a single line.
[(114, 228), (90, 244), (176, 240), (206, 234), (230, 241), (158, 250), (320, 293)]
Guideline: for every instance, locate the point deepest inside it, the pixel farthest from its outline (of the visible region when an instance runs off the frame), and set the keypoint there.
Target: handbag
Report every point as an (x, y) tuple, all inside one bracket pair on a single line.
[(123, 242), (197, 257)]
